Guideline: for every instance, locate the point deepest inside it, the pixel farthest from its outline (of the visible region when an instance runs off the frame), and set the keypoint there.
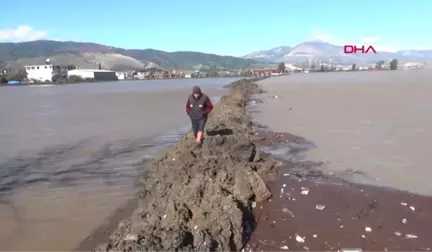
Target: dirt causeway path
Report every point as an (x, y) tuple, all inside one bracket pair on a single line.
[(228, 195), (200, 198)]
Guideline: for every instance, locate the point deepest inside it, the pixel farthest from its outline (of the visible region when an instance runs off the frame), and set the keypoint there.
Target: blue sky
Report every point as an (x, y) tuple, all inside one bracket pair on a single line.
[(228, 27)]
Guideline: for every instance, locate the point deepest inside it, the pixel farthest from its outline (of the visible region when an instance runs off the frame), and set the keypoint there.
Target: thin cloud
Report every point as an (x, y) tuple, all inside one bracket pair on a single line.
[(21, 33)]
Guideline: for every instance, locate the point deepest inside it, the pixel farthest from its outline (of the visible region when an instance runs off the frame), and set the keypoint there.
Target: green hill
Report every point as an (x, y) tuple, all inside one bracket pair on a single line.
[(91, 54)]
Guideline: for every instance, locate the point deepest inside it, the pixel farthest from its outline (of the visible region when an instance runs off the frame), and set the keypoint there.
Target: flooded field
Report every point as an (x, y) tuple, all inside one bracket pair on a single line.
[(71, 155), (370, 127)]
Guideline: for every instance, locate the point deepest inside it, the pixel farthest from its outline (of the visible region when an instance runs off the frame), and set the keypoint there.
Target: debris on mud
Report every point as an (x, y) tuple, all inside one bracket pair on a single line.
[(200, 199), (342, 216)]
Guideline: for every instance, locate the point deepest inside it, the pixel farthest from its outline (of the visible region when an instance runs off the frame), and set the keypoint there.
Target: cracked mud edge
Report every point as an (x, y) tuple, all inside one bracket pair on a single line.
[(200, 198)]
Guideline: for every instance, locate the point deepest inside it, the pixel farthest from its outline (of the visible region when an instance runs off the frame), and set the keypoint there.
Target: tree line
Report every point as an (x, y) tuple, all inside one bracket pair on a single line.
[(12, 73)]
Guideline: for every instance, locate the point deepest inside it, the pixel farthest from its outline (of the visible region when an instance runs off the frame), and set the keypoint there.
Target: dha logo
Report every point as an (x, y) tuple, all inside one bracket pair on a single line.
[(353, 49)]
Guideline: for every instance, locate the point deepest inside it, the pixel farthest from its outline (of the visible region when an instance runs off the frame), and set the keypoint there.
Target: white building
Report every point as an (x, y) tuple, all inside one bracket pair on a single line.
[(141, 75), (94, 74), (291, 67), (121, 75), (39, 72)]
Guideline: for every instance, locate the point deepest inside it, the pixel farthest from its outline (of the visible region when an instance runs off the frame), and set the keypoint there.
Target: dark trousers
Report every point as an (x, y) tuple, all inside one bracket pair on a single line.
[(198, 125)]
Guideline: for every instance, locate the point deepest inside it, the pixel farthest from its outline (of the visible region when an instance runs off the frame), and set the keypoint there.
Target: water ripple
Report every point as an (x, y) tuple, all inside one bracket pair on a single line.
[(69, 165)]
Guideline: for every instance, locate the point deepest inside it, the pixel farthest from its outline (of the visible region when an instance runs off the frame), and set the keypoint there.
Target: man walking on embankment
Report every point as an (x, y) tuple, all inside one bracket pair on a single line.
[(198, 106)]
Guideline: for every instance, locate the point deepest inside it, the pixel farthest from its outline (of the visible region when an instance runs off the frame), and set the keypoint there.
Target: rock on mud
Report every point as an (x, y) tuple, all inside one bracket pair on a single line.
[(202, 200)]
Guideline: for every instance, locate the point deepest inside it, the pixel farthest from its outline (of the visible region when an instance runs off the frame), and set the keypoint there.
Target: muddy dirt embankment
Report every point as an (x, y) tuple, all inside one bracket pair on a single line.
[(201, 198)]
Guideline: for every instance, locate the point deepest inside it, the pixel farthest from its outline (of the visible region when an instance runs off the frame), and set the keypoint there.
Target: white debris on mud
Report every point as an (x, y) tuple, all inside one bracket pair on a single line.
[(320, 207), (304, 191), (286, 210), (131, 237), (300, 239), (411, 236), (406, 204)]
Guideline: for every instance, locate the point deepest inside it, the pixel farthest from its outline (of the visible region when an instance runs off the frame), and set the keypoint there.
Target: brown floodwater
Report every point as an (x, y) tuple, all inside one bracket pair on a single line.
[(369, 127), (72, 155)]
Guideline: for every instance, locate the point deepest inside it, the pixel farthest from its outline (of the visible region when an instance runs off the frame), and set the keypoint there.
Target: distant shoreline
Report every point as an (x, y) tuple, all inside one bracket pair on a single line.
[(99, 81)]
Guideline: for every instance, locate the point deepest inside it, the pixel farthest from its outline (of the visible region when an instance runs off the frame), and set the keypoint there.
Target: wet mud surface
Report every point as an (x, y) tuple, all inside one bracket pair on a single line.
[(308, 215), (313, 211), (334, 216)]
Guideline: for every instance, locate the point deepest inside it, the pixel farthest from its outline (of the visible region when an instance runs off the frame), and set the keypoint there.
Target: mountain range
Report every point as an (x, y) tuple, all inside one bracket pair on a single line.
[(328, 53), (90, 55)]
